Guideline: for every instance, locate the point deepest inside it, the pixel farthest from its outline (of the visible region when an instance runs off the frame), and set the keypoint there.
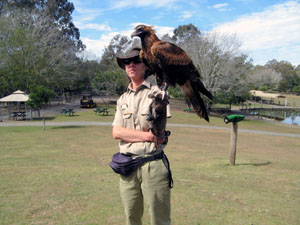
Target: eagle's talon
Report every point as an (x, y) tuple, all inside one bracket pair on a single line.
[(150, 118)]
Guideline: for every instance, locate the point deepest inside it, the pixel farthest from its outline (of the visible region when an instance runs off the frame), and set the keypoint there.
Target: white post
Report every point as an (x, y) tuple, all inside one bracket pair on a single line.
[(234, 132), (0, 114), (285, 102)]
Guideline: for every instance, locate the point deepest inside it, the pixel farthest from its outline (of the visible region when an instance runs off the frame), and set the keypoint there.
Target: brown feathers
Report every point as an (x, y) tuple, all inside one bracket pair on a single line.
[(173, 66)]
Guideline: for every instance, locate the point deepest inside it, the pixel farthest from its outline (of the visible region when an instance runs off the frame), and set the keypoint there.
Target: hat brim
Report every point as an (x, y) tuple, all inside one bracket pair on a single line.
[(121, 56), (121, 61)]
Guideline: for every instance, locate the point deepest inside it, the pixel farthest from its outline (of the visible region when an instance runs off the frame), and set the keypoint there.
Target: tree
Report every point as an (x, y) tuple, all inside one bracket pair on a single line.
[(108, 60), (39, 95), (185, 32), (57, 11), (296, 90), (290, 79), (110, 82), (110, 78), (37, 49), (222, 67), (262, 76)]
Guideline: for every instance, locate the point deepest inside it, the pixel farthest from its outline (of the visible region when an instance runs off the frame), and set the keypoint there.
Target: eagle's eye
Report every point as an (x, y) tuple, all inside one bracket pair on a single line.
[(140, 28)]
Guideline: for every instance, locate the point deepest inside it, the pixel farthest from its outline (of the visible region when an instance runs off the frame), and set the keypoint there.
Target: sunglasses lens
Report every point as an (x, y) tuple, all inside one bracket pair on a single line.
[(126, 61), (135, 60)]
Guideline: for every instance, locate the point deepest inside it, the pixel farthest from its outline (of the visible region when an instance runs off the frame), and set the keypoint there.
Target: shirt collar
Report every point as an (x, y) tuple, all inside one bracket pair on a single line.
[(145, 84)]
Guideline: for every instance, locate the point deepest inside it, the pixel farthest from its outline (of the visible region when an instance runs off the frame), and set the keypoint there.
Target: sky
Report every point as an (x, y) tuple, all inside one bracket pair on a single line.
[(266, 29)]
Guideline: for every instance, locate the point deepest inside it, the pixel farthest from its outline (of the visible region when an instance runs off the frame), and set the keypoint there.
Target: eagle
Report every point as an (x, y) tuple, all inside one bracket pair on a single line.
[(172, 66)]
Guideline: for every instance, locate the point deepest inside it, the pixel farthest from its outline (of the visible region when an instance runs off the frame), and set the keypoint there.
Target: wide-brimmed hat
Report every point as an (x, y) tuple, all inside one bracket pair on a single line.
[(130, 50)]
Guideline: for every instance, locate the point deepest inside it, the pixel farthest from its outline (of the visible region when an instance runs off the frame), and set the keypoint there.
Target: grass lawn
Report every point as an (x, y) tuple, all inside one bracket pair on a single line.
[(83, 115), (60, 176)]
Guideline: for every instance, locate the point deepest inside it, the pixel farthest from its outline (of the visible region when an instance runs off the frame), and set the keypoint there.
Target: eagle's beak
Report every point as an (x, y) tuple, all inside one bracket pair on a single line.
[(133, 34), (136, 33)]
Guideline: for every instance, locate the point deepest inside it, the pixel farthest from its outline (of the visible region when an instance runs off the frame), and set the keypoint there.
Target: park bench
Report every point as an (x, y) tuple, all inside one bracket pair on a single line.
[(65, 112), (16, 115), (102, 110)]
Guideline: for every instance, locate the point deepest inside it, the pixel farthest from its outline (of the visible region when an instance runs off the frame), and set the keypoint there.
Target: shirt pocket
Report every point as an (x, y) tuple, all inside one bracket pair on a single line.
[(144, 115), (127, 119)]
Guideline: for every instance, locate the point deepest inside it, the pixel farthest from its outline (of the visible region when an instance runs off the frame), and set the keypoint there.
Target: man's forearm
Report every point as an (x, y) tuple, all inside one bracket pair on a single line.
[(129, 135)]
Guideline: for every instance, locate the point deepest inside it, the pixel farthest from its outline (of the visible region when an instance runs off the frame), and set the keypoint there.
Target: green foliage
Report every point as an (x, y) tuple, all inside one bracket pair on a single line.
[(185, 32), (108, 60), (263, 88), (230, 97), (39, 96), (176, 92), (296, 90), (38, 46), (288, 82), (290, 77), (57, 11), (110, 82)]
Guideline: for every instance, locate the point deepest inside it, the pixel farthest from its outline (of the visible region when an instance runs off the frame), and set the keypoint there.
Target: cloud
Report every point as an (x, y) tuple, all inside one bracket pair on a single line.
[(186, 14), (85, 15), (277, 27), (159, 30), (221, 7), (92, 26), (95, 47), (85, 10), (121, 4)]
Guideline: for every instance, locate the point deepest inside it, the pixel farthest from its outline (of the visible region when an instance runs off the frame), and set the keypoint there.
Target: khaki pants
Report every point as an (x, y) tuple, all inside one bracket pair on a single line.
[(148, 183)]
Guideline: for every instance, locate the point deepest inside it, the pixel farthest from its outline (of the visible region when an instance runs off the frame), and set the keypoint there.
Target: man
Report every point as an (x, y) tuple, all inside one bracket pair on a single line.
[(149, 183)]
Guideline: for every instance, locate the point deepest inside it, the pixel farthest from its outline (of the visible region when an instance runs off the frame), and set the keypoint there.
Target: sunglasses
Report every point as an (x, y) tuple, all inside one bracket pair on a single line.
[(135, 60)]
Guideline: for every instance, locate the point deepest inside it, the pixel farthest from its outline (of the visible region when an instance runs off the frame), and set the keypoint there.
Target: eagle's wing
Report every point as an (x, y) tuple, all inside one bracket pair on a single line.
[(169, 54)]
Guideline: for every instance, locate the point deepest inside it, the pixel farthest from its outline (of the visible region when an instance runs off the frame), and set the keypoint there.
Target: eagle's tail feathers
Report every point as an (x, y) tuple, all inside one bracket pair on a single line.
[(191, 93), (203, 90)]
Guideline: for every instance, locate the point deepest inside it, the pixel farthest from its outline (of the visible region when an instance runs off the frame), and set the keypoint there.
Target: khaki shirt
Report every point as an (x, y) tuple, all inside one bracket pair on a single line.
[(132, 112)]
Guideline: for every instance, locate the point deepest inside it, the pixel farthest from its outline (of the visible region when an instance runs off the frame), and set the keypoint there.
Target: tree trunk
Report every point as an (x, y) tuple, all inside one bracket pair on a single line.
[(44, 125)]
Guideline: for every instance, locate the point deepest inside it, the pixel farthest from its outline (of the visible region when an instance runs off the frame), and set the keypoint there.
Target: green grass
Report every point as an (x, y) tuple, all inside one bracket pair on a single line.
[(83, 115), (60, 176)]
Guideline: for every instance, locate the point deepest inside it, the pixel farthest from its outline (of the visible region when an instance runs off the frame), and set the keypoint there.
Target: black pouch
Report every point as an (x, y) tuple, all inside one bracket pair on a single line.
[(124, 164)]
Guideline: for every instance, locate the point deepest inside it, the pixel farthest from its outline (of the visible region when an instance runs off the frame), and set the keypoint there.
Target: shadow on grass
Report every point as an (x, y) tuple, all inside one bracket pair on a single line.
[(66, 127), (109, 115), (49, 118), (41, 118), (75, 115), (251, 164)]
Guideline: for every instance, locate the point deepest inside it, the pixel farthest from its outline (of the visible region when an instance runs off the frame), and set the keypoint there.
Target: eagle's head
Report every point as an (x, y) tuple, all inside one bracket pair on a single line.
[(142, 31)]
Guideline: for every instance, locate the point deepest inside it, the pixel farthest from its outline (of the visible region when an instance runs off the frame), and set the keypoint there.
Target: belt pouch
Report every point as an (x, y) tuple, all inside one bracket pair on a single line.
[(124, 164)]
